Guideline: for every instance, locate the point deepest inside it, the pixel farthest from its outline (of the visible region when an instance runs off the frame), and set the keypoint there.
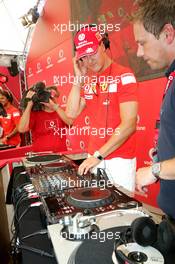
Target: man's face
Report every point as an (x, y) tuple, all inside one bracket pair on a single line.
[(95, 62), (151, 49)]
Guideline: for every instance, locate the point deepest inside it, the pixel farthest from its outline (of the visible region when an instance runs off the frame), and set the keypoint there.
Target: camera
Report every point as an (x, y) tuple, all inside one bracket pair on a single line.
[(41, 95)]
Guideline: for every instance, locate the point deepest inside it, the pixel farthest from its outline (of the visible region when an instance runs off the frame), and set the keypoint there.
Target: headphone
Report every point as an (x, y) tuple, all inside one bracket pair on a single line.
[(105, 37), (145, 232)]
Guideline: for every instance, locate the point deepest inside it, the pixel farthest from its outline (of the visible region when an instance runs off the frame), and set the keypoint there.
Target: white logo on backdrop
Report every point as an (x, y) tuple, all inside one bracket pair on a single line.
[(30, 73), (49, 62), (82, 144), (87, 120), (39, 68), (61, 56)]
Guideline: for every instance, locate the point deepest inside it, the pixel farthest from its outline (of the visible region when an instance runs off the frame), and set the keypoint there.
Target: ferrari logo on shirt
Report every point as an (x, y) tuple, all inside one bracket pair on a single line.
[(93, 87), (103, 87)]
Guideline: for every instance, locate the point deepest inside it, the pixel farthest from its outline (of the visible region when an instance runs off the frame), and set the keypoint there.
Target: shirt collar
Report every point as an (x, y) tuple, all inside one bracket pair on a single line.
[(170, 69)]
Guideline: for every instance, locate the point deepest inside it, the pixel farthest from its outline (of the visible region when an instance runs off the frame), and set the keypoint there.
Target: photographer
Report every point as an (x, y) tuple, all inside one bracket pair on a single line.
[(9, 118), (44, 117)]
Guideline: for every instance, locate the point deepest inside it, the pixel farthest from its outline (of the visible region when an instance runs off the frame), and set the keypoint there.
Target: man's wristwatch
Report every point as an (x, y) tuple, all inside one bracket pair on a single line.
[(97, 155), (156, 170)]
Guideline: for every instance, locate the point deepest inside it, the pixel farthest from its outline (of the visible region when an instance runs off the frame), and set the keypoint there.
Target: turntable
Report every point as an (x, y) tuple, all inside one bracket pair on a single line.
[(89, 201), (40, 158), (96, 248)]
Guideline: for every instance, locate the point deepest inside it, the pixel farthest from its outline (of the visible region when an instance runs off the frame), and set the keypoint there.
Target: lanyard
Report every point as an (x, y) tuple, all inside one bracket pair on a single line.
[(170, 79)]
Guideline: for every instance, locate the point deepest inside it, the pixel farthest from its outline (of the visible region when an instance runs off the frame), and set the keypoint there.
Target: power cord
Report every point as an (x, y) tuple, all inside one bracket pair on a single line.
[(40, 232), (36, 250)]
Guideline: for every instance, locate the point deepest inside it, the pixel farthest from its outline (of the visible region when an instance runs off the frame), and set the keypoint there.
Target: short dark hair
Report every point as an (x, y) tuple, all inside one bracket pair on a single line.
[(7, 94), (155, 14)]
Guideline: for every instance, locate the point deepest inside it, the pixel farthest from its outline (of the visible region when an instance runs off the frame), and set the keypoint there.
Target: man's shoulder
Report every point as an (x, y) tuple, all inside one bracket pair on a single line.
[(120, 69), (125, 74)]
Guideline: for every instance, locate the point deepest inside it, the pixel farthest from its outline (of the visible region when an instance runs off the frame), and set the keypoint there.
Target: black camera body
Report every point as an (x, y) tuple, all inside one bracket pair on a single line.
[(42, 95)]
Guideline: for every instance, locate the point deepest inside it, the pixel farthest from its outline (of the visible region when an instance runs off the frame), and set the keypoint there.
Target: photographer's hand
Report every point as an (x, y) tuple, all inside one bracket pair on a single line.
[(51, 105), (30, 94)]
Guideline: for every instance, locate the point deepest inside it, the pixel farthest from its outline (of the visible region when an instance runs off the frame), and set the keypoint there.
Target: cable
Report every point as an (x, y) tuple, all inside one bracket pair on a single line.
[(40, 232), (36, 250)]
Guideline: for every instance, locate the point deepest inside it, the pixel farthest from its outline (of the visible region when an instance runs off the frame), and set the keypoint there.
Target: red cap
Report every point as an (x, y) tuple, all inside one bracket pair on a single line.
[(87, 41)]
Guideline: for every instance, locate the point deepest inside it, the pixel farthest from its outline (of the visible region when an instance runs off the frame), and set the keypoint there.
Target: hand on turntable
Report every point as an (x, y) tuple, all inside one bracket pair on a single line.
[(88, 164), (144, 177)]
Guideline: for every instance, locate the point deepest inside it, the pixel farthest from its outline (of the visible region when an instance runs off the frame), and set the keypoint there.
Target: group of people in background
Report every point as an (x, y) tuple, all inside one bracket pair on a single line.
[(112, 104)]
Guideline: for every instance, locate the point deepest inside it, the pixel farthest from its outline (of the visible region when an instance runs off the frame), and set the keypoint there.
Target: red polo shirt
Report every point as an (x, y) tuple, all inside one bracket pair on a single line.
[(47, 131), (115, 85)]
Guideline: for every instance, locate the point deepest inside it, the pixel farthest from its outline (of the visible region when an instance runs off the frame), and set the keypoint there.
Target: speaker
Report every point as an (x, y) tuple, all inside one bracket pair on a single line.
[(145, 232), (13, 69)]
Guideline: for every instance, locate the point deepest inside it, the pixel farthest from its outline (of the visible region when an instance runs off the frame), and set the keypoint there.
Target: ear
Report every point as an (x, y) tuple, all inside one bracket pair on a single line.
[(169, 33)]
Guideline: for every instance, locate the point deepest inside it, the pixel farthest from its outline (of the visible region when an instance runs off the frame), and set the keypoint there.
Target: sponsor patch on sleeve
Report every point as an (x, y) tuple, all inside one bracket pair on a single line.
[(16, 114), (127, 78)]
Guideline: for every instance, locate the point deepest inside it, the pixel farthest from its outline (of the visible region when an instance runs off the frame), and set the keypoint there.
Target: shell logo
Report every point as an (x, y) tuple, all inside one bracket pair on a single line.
[(81, 37)]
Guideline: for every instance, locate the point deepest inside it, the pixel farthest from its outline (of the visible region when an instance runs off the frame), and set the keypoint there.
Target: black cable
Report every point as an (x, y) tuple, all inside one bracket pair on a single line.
[(23, 213), (40, 232), (36, 250)]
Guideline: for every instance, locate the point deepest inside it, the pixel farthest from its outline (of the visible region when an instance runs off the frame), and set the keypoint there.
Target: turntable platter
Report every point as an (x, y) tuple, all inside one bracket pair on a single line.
[(55, 166), (43, 159), (90, 198), (97, 250)]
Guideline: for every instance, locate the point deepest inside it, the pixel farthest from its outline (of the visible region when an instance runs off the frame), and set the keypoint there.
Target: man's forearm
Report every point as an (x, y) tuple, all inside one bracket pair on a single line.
[(23, 125), (73, 102)]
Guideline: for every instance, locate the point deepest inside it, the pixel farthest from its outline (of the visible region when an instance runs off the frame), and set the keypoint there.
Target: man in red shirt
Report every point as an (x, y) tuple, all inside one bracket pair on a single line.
[(9, 120), (45, 124), (109, 93)]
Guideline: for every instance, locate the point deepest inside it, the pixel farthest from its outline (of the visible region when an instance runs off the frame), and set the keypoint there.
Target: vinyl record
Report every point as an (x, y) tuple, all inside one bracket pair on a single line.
[(43, 159), (138, 254)]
